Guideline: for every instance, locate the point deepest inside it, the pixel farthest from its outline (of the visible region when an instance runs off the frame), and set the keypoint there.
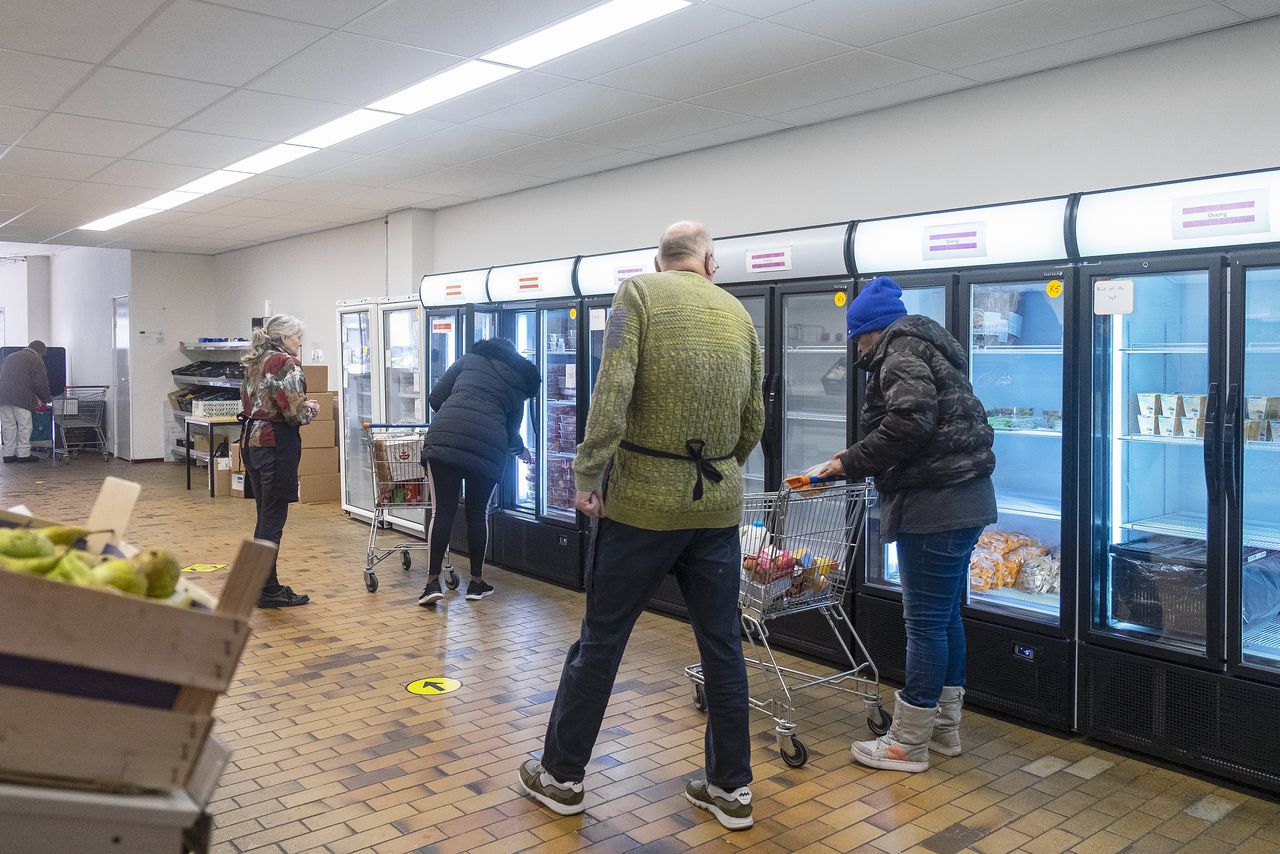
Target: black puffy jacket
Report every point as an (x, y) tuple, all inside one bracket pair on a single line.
[(922, 426), (478, 405)]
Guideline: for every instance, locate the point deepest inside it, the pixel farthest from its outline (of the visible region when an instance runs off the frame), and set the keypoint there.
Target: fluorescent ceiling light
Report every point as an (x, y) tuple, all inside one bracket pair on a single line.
[(116, 220), (343, 127), (171, 199), (443, 86), (581, 30), (265, 161), (214, 181)]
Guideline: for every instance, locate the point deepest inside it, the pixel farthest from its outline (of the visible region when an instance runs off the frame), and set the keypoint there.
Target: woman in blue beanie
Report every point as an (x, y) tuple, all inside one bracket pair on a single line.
[(927, 443)]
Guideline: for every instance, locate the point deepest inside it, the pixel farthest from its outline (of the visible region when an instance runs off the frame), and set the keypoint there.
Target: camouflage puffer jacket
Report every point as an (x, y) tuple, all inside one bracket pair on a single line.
[(922, 426)]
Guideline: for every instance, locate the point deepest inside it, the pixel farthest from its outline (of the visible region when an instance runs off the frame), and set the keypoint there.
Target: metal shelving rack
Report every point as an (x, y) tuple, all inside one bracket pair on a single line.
[(216, 351)]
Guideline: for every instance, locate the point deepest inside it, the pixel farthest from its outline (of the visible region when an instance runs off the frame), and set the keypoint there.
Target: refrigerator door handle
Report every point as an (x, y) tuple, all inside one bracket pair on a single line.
[(1211, 444), (770, 396), (1231, 444)]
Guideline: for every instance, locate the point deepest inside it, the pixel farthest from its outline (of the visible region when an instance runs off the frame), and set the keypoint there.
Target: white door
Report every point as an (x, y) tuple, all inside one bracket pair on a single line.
[(120, 358)]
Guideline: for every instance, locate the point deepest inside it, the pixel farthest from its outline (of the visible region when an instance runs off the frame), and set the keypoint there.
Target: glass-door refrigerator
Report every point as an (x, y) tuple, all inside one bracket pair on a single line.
[(360, 401), (536, 528), (400, 324), (978, 273), (1179, 657)]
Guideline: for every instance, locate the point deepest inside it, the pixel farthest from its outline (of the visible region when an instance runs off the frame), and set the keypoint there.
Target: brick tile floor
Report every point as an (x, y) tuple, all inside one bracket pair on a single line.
[(332, 754)]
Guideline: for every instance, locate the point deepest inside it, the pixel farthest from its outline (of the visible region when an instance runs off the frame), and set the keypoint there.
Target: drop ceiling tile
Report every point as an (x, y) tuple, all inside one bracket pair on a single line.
[(185, 229), (262, 208), (138, 173), (113, 195), (322, 13), (187, 148), (849, 74), (375, 171), (689, 25), (82, 135), (35, 81), (338, 214), (440, 202), (214, 44), (382, 199), (463, 27), (51, 164), (314, 164), (73, 210), (1120, 39), (719, 136), (1024, 26), (509, 91), (72, 29), (351, 70), (547, 154), (311, 192), (756, 8), (566, 110), (255, 186), (866, 22), (378, 140), (217, 220), (31, 187), (741, 54), (596, 165), (259, 115), (669, 122), (131, 96), (887, 96), (1254, 8), (451, 180), (460, 144), (15, 121)]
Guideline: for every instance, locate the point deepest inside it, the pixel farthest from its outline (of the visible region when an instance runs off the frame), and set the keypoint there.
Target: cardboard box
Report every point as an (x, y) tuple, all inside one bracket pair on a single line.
[(1149, 425), (1148, 406), (237, 461), (318, 461), (318, 488), (319, 434), (200, 441), (1169, 426), (317, 376), (237, 484), (1262, 408), (220, 471), (328, 401)]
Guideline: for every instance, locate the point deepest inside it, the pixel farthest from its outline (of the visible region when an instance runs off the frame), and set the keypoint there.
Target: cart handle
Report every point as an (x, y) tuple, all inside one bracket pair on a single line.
[(371, 426)]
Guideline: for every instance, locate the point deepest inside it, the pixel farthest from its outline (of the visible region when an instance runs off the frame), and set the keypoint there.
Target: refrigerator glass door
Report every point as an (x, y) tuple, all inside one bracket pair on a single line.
[(815, 381), (559, 411), (486, 325), (597, 322), (524, 334), (444, 335), (402, 346), (930, 301), (1155, 372), (1015, 364), (753, 473), (357, 408), (1260, 502)]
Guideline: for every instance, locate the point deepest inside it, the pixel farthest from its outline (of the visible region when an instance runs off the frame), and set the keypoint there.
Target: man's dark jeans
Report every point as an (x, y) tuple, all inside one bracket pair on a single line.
[(628, 566)]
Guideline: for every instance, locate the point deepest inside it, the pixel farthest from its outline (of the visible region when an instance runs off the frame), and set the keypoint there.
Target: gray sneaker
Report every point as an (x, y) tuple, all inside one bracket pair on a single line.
[(733, 812), (562, 798)]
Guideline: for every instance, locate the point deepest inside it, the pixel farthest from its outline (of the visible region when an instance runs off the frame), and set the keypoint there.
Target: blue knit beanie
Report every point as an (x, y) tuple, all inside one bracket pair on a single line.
[(876, 306)]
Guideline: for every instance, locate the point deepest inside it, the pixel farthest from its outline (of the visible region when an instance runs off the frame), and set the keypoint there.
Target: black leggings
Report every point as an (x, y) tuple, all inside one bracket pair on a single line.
[(446, 487)]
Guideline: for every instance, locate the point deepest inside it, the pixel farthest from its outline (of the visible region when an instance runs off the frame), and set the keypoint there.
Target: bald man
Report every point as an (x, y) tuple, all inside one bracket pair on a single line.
[(24, 388), (676, 411)]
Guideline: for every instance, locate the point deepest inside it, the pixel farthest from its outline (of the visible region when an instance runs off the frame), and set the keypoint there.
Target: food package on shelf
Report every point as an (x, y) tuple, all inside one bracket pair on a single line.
[(997, 317), (836, 377), (1262, 408), (1149, 406), (1042, 574), (1169, 426), (1256, 430), (1149, 425), (1192, 427), (1171, 406), (1194, 405), (999, 557)]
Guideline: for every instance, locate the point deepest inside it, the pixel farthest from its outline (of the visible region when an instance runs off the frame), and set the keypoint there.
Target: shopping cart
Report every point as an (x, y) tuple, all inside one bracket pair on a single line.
[(399, 481), (79, 414), (797, 547)]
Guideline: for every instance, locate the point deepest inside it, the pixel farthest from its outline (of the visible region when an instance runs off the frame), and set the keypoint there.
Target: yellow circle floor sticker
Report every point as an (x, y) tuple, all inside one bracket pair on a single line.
[(433, 686), (204, 567)]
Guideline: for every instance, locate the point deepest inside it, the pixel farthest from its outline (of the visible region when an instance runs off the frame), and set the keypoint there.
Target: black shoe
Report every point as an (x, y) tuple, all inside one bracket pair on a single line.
[(26, 459), (431, 594), (282, 598), (10, 459), (478, 589)]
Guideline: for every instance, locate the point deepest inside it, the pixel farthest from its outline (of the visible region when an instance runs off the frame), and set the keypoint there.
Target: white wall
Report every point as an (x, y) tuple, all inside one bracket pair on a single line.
[(39, 298), (173, 299), (13, 299), (1198, 106)]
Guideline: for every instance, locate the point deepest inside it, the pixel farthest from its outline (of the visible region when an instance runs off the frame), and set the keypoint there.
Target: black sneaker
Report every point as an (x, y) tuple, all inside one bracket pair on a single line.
[(478, 589), (26, 459), (10, 459), (733, 812), (431, 594), (282, 598)]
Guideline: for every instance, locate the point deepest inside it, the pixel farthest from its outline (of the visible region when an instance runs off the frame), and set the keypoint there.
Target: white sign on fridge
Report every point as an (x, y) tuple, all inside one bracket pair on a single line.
[(1220, 214), (597, 319), (570, 376), (1113, 296), (954, 240)]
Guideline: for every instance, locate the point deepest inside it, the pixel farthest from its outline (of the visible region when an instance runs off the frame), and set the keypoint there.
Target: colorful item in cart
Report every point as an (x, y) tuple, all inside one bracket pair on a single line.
[(997, 317), (999, 557), (808, 482)]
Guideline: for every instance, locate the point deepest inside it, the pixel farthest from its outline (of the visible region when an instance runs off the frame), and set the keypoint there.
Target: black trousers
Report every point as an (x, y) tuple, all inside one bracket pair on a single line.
[(446, 488), (273, 479)]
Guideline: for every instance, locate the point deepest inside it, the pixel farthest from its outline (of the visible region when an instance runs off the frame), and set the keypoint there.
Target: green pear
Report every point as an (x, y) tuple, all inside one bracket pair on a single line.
[(72, 570), (161, 570), (122, 575), (29, 565), (23, 542)]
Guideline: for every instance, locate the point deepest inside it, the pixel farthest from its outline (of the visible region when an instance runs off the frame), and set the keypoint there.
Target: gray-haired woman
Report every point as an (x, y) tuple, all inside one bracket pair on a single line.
[(274, 395)]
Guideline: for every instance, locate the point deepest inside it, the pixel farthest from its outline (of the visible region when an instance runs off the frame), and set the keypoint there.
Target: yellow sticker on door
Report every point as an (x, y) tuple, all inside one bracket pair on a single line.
[(841, 299), (433, 686), (1054, 288), (573, 314)]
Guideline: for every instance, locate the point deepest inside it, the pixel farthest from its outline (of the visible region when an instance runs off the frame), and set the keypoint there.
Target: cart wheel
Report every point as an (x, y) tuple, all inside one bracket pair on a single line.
[(452, 581), (405, 560), (799, 757), (371, 582), (882, 726), (699, 697)]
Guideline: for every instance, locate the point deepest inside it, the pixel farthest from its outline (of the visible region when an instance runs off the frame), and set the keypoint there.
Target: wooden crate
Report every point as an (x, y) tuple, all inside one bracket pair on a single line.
[(115, 693)]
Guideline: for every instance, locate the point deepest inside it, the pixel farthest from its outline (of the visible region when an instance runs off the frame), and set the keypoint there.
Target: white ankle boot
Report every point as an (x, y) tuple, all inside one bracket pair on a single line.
[(946, 729), (905, 747)]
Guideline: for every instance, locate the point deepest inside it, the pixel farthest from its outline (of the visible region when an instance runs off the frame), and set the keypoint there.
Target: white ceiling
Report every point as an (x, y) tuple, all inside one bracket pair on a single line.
[(104, 104)]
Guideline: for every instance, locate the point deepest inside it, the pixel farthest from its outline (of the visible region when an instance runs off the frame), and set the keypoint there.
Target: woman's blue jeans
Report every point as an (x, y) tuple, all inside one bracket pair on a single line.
[(934, 569)]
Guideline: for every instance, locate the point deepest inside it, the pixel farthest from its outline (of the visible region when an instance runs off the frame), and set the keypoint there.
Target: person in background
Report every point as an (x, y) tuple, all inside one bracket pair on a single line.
[(479, 405), (24, 389), (676, 411), (927, 443), (274, 396)]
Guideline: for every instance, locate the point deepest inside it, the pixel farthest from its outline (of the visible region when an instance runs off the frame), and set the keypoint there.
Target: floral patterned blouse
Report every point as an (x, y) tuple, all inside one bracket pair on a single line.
[(274, 392)]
